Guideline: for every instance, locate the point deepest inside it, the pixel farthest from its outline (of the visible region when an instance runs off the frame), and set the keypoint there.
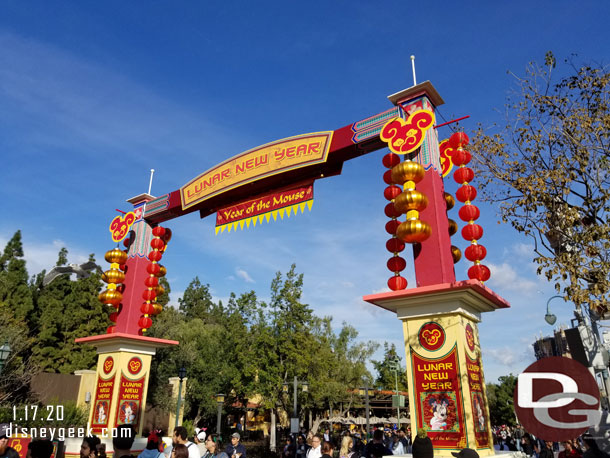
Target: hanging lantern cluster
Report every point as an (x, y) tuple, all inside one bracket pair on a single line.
[(468, 213), (150, 307), (115, 277), (456, 253), (394, 245), (411, 202)]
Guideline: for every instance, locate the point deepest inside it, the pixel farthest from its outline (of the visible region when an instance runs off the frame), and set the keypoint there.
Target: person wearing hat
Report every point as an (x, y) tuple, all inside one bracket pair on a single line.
[(5, 450), (200, 440), (422, 445), (154, 446), (466, 453), (236, 449)]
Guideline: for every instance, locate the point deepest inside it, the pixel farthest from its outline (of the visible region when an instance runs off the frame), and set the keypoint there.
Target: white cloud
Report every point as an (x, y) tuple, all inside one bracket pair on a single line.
[(505, 277), (241, 273)]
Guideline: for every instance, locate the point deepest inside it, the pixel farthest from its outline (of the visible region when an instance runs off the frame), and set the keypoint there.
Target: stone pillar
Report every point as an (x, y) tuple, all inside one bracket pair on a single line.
[(447, 392), (121, 385), (175, 384)]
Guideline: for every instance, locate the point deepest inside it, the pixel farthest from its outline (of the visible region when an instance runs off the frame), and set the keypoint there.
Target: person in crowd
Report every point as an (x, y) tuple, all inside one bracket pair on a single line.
[(214, 447), (301, 447), (40, 448), (289, 449), (316, 447), (88, 448), (236, 449), (397, 447), (180, 437), (526, 445), (154, 447), (376, 448), (592, 449), (347, 448), (180, 451), (199, 439), (327, 449), (123, 441), (466, 453), (545, 449), (422, 445), (404, 440), (569, 450), (5, 450)]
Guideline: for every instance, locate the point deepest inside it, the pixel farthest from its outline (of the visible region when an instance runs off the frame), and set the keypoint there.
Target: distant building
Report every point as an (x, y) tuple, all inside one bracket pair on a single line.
[(555, 345)]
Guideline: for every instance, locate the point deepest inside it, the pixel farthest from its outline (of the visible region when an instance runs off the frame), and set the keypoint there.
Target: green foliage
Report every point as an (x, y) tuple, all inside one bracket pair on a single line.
[(14, 289), (386, 378), (549, 170), (500, 399)]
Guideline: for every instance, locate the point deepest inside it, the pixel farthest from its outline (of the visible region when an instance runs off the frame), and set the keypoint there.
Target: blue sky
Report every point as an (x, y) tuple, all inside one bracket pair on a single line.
[(95, 94)]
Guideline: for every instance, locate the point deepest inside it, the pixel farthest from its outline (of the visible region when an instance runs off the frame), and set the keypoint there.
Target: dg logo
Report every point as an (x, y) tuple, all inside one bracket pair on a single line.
[(557, 399)]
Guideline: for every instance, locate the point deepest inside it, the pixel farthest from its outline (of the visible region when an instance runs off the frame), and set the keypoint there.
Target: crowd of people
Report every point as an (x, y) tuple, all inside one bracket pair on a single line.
[(350, 444), (515, 438)]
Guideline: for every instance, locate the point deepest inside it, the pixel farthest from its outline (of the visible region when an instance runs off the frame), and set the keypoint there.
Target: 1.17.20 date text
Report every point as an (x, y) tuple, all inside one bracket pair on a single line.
[(34, 412)]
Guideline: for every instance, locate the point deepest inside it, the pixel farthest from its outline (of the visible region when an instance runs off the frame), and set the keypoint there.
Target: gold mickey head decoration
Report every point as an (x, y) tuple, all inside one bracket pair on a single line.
[(135, 365)]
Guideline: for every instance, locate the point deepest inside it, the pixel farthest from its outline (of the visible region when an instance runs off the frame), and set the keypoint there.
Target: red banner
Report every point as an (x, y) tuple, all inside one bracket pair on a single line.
[(438, 394), (269, 204), (130, 399), (479, 406), (101, 405)]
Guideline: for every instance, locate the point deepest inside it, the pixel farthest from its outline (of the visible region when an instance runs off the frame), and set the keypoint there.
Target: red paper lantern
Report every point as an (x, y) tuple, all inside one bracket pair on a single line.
[(157, 244), (391, 192), (396, 264), (469, 213), (390, 211), (463, 174), (153, 268), (110, 330), (127, 242), (144, 322), (155, 256), (472, 232), (147, 308), (391, 226), (460, 157), (458, 139), (387, 177), (395, 245), (149, 295), (466, 193), (390, 160), (168, 236), (113, 317), (479, 272), (397, 283), (475, 253), (158, 231), (151, 281)]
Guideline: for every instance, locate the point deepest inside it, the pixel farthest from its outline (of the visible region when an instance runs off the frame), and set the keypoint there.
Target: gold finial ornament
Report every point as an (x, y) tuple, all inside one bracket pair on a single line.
[(116, 256), (413, 231), (410, 200), (408, 171)]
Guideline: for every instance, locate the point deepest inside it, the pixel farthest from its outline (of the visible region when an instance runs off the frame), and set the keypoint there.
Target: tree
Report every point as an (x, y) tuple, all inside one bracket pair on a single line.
[(500, 400), (549, 171), (14, 289), (385, 375)]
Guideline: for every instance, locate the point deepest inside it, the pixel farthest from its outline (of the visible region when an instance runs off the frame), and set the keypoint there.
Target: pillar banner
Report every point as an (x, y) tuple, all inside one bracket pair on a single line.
[(438, 395), (102, 404), (477, 398), (130, 399)]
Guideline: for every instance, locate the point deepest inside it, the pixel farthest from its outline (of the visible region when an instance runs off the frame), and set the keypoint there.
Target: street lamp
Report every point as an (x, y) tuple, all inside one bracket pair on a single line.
[(5, 351), (181, 376), (294, 421), (549, 317), (394, 366), (365, 392), (220, 399)]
